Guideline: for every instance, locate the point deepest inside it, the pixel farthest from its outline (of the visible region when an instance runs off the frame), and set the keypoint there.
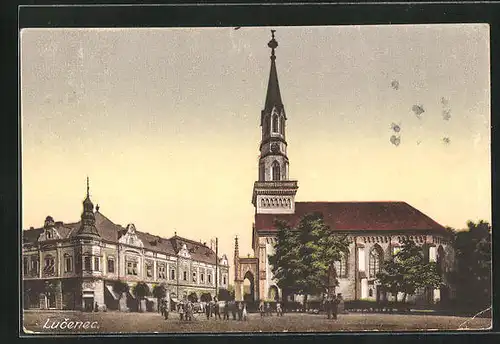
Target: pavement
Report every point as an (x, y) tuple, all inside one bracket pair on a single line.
[(120, 322)]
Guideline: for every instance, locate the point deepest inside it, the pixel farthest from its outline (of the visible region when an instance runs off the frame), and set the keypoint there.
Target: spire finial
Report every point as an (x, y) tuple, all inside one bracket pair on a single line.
[(88, 188), (273, 44)]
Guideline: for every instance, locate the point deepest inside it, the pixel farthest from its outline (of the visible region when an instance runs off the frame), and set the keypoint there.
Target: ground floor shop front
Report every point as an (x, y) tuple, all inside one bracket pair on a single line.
[(95, 294)]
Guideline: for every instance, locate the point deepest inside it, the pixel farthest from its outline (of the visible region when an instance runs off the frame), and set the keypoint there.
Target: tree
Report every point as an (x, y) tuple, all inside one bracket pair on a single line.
[(205, 297), (224, 295), (407, 271), (140, 291), (473, 266), (120, 287), (304, 255), (160, 291), (193, 297)]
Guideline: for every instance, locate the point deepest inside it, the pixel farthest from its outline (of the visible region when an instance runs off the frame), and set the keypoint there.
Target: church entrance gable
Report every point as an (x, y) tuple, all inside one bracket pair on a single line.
[(247, 274)]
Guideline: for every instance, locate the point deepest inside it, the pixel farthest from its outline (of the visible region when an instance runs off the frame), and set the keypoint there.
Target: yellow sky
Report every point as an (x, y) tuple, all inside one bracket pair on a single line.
[(166, 122)]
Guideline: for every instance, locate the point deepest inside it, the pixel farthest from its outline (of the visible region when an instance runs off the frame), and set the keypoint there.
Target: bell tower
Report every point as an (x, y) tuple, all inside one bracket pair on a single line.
[(273, 192)]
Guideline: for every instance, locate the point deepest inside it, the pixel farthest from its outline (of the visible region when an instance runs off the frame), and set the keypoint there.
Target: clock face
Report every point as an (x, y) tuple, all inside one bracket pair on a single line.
[(275, 148)]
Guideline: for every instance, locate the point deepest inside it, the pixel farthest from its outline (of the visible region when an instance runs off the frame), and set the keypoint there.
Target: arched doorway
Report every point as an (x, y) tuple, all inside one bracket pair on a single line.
[(273, 293), (249, 287)]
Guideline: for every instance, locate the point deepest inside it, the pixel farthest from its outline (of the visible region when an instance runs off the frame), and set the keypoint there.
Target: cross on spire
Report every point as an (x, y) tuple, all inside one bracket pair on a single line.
[(273, 44), (88, 188)]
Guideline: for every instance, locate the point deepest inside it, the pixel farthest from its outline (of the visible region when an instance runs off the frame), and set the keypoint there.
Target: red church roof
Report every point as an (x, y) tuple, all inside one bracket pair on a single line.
[(356, 216)]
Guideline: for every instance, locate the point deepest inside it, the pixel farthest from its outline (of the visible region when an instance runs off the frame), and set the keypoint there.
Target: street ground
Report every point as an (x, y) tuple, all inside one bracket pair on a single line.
[(119, 322)]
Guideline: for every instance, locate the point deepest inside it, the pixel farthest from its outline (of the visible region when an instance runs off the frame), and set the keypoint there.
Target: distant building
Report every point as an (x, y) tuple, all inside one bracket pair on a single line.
[(76, 265), (375, 229)]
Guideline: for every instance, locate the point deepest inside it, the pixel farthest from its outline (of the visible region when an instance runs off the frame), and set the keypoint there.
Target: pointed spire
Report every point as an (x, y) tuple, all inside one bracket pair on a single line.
[(236, 259), (87, 224), (273, 97)]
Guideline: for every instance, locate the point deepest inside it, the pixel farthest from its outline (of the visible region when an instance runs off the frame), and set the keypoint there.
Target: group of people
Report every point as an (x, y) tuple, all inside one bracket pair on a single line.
[(215, 308), (265, 309), (332, 306), (221, 309)]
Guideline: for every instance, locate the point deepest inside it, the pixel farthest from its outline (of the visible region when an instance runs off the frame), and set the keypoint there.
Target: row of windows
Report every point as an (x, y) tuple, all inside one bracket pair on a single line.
[(275, 202), (132, 268)]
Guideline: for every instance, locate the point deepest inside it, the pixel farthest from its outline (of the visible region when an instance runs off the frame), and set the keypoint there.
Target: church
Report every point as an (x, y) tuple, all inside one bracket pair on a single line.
[(375, 229)]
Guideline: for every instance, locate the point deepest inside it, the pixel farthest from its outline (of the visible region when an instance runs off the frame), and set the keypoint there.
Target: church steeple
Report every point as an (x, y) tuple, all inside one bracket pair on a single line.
[(273, 161), (87, 225), (273, 97)]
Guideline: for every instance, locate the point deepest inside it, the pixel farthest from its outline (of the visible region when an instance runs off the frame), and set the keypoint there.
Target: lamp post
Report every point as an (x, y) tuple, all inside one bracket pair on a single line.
[(216, 267)]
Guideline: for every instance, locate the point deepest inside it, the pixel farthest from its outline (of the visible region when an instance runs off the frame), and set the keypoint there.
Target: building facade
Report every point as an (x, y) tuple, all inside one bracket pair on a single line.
[(375, 229), (77, 265)]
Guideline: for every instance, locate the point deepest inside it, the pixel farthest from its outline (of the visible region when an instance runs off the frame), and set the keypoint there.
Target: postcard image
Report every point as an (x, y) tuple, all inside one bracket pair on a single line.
[(255, 179)]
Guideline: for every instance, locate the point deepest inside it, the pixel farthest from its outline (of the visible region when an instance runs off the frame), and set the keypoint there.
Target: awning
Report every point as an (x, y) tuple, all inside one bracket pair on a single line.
[(112, 292), (149, 298), (88, 295), (131, 294), (174, 299)]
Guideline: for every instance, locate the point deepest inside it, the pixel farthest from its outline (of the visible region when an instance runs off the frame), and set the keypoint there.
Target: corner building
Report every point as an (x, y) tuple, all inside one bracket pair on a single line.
[(76, 265), (375, 229)]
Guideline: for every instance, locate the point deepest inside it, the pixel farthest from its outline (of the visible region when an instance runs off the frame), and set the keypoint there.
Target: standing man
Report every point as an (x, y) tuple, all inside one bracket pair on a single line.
[(261, 308), (226, 310), (233, 309), (279, 311), (208, 309), (268, 309), (328, 307), (335, 306), (216, 308), (240, 310)]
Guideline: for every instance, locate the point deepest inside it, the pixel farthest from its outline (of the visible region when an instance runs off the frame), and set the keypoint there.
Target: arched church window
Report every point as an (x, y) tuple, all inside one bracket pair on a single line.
[(282, 125), (341, 266), (275, 123), (375, 261), (276, 170)]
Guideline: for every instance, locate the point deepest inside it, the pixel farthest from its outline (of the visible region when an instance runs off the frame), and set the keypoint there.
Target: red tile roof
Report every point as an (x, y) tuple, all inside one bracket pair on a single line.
[(111, 232), (356, 216)]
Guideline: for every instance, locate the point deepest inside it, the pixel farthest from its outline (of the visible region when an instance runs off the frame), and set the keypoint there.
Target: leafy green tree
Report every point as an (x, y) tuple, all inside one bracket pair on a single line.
[(304, 255), (407, 271), (140, 291), (286, 263), (473, 266)]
